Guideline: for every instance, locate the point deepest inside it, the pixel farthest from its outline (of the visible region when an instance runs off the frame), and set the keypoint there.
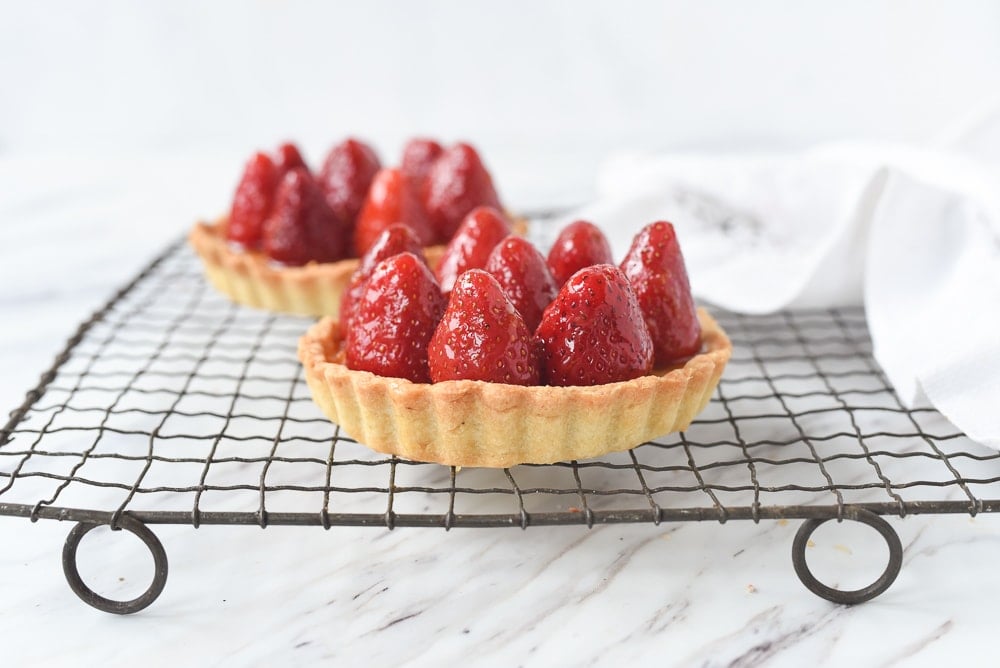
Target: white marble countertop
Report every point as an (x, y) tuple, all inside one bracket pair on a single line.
[(676, 594)]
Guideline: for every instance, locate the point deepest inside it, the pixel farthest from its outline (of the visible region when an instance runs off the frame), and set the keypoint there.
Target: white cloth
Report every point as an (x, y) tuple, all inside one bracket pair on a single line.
[(913, 234)]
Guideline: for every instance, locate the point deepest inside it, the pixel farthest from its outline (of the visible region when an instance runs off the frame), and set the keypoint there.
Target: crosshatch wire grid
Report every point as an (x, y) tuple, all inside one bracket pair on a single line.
[(177, 406)]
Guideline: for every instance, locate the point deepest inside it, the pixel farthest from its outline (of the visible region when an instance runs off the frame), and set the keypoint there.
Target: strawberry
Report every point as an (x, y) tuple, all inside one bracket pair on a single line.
[(593, 332), (456, 184), (301, 227), (525, 278), (579, 244), (391, 199), (655, 268), (482, 337), (345, 177), (418, 158), (287, 158), (253, 201), (482, 229), (395, 239), (395, 320)]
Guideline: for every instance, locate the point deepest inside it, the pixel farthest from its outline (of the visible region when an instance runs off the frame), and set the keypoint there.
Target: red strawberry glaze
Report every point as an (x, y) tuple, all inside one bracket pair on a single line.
[(470, 248), (525, 278), (345, 177), (395, 239), (580, 244), (482, 336), (301, 227), (456, 184), (396, 318), (391, 199), (655, 268), (593, 332)]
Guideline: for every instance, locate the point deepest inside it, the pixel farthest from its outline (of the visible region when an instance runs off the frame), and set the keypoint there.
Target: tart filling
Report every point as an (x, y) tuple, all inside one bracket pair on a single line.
[(475, 423)]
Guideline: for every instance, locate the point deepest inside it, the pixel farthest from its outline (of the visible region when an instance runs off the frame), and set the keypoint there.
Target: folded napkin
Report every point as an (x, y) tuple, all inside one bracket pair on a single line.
[(911, 233)]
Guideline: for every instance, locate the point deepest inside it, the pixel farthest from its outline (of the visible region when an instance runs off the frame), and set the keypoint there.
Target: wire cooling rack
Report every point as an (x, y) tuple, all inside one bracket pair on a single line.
[(173, 405)]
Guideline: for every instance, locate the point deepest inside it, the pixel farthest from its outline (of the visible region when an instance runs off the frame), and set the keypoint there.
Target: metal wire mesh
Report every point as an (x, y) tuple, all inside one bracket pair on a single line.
[(177, 406)]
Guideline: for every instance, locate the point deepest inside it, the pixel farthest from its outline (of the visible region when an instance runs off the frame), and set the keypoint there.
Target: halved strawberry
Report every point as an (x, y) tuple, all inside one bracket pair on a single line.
[(345, 177), (395, 320), (593, 332), (655, 268), (253, 201), (457, 183), (395, 239), (391, 199), (470, 248), (301, 227), (525, 278), (580, 244), (419, 156), (287, 158), (482, 337)]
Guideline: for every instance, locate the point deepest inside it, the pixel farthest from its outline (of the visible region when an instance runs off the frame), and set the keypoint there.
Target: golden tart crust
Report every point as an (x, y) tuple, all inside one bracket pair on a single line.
[(251, 279), (475, 423)]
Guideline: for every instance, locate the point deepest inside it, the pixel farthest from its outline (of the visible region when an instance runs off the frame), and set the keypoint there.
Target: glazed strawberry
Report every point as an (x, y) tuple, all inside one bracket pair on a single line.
[(418, 157), (287, 158), (395, 320), (525, 278), (579, 244), (301, 227), (395, 239), (482, 337), (593, 332), (457, 183), (391, 199), (253, 201), (655, 268), (345, 177), (470, 248)]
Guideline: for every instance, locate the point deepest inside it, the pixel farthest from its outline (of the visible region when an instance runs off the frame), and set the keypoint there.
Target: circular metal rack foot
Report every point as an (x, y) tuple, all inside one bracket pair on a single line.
[(92, 598), (857, 595)]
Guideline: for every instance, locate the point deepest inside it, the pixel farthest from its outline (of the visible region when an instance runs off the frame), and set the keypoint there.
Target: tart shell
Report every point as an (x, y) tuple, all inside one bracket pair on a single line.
[(475, 423), (251, 279)]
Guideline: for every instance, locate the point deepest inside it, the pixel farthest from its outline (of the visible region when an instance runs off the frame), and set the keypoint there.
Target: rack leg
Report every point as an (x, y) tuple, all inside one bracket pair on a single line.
[(92, 598), (857, 595)]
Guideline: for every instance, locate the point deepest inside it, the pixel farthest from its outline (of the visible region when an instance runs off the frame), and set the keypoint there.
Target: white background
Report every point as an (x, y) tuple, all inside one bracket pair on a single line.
[(553, 84)]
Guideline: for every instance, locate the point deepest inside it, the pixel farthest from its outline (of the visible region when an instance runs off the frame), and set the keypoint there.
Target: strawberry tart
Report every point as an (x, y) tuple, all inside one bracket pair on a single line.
[(292, 238), (501, 356)]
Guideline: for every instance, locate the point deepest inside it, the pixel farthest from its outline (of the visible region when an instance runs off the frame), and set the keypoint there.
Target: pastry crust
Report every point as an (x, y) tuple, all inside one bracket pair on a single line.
[(251, 279), (475, 423)]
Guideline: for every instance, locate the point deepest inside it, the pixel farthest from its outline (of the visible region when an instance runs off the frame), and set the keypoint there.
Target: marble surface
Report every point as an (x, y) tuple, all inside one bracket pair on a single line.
[(71, 230)]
